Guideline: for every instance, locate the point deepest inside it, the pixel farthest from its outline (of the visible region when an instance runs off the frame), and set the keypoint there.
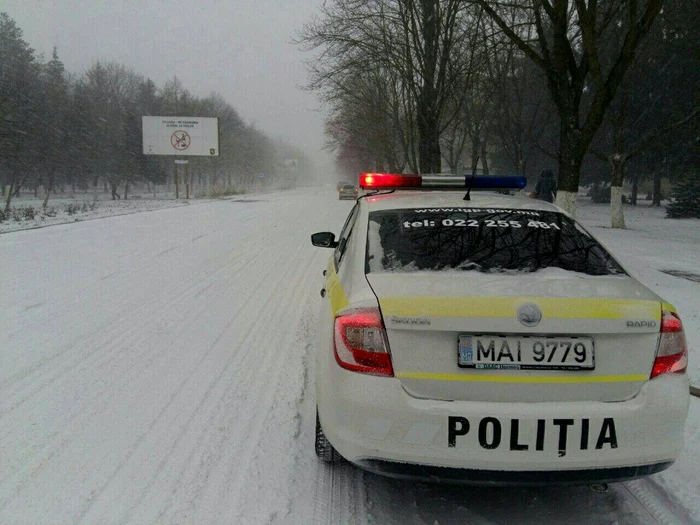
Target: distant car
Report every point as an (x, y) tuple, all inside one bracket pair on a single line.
[(348, 191), (491, 341), (341, 184)]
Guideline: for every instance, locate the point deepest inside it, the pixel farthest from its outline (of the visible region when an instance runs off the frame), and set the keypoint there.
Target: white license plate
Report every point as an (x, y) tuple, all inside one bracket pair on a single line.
[(493, 352)]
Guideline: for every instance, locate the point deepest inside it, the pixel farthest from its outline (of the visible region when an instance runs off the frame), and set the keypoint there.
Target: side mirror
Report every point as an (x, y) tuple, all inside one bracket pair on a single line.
[(324, 240)]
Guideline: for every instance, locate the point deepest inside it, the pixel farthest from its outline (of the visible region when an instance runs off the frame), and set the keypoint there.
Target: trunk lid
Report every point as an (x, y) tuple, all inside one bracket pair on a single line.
[(425, 313)]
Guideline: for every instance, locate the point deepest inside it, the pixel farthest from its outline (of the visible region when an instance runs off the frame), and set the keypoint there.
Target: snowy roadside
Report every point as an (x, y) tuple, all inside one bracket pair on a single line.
[(27, 214)]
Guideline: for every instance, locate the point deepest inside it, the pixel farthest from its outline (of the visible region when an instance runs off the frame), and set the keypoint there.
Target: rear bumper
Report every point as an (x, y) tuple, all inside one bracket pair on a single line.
[(373, 423), (501, 478)]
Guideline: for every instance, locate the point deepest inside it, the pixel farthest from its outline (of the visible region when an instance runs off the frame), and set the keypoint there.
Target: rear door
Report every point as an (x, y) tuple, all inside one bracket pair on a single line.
[(508, 305)]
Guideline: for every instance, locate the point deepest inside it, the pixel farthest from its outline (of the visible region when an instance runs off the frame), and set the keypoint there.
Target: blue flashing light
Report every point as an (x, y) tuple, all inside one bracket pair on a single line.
[(517, 182)]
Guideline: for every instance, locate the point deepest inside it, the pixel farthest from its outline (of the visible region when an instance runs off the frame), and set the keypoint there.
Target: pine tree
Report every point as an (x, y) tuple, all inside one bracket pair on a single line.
[(685, 199)]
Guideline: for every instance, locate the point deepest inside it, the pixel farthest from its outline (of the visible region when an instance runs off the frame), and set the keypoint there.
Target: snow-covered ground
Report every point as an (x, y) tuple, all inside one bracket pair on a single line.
[(155, 368), (27, 212)]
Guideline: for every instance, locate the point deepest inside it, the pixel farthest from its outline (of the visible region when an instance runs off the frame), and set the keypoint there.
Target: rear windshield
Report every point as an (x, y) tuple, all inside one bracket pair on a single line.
[(483, 240), (349, 187)]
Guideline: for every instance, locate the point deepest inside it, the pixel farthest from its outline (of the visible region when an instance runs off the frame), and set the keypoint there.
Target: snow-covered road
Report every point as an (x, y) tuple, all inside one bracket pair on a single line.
[(154, 369)]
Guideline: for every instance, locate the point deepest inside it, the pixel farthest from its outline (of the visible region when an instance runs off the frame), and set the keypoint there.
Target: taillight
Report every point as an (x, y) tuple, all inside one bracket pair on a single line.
[(672, 354), (361, 344)]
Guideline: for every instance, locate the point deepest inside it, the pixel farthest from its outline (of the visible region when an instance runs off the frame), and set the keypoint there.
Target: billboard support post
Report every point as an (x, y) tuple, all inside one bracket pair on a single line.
[(177, 182), (185, 178), (187, 181)]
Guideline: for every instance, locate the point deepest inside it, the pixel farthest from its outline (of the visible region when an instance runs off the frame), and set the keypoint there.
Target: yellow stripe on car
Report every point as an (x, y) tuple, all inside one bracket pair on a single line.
[(552, 307), (478, 378), (336, 294), (668, 307)]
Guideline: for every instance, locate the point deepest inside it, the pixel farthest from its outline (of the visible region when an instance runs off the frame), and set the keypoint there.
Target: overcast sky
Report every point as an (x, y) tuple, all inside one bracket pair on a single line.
[(239, 48)]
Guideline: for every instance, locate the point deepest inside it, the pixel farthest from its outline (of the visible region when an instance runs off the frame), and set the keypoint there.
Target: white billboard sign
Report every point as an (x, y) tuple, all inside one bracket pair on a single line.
[(181, 136)]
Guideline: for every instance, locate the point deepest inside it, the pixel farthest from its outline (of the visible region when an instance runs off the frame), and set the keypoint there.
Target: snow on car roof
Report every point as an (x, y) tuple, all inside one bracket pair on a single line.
[(454, 199)]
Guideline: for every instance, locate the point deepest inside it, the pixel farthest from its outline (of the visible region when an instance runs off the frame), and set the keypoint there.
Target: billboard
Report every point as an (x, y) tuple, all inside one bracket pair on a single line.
[(181, 136)]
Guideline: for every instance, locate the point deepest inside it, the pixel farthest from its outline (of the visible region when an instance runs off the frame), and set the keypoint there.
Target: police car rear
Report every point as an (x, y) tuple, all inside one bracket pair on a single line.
[(501, 343)]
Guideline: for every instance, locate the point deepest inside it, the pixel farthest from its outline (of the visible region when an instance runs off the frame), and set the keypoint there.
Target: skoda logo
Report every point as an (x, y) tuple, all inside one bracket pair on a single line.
[(529, 314)]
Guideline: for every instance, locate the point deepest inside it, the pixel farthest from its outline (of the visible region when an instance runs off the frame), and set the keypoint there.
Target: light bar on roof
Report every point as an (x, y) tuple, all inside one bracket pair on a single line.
[(392, 181)]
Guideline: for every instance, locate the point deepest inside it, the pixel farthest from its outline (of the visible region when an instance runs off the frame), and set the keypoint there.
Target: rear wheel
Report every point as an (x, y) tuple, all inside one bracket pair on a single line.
[(324, 450)]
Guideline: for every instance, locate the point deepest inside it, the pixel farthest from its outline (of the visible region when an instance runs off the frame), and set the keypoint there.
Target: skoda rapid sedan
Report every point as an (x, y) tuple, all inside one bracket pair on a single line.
[(490, 340)]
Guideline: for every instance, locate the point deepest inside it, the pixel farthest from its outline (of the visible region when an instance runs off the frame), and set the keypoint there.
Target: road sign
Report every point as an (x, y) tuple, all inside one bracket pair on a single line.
[(178, 161), (262, 175), (192, 136), (180, 140)]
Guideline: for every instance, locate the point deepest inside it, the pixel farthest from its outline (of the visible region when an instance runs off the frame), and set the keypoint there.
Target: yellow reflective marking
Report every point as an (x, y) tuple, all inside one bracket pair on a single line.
[(668, 307), (336, 294), (478, 378), (552, 307)]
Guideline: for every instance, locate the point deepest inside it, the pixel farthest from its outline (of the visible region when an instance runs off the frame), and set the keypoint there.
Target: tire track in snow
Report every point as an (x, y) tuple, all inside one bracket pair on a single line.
[(236, 360), (340, 494), (94, 407), (260, 377), (113, 339), (110, 331), (658, 503), (89, 410), (138, 262), (166, 407), (144, 492)]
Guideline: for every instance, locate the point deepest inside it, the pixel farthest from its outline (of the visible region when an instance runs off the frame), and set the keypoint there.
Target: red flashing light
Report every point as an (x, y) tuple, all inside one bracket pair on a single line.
[(389, 180), (672, 354), (360, 343)]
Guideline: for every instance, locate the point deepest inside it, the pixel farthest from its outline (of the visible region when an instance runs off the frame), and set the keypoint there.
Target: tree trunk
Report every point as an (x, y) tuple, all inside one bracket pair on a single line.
[(475, 156), (656, 200), (429, 156), (115, 195), (428, 119), (570, 160), (10, 193), (616, 212), (49, 189), (126, 191), (484, 159), (635, 189)]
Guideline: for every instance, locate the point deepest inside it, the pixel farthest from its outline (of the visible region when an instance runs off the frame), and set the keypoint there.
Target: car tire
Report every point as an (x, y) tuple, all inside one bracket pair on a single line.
[(324, 449)]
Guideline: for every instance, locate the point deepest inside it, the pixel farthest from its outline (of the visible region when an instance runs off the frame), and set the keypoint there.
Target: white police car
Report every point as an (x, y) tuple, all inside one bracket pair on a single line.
[(492, 340)]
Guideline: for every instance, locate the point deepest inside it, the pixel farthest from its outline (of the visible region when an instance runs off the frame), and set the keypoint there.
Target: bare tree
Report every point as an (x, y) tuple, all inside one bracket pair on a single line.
[(566, 48), (427, 45)]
